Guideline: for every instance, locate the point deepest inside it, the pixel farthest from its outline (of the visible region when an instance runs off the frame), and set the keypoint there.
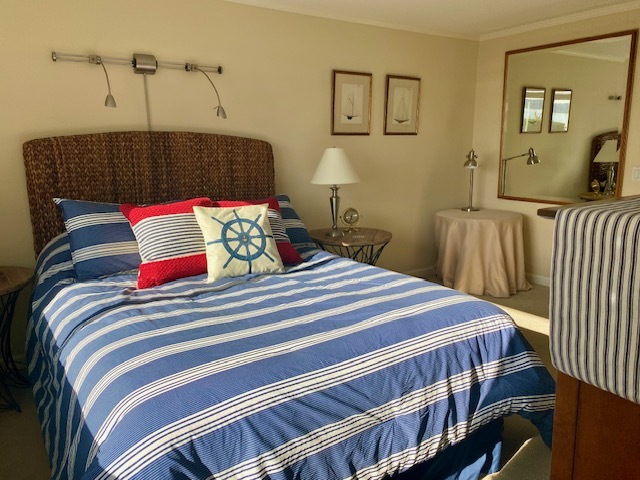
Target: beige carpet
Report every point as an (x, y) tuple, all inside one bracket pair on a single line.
[(22, 453), (534, 301), (531, 462)]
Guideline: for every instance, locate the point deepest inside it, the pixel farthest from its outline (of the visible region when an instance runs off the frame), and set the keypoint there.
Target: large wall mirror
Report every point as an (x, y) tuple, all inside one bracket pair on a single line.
[(558, 102)]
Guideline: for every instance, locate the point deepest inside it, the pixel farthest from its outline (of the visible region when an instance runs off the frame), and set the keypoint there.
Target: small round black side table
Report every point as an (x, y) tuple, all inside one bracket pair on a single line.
[(361, 244), (12, 281)]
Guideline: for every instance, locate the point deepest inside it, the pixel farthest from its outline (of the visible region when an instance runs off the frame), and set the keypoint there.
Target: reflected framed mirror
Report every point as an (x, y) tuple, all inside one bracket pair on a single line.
[(590, 81), (560, 110), (532, 109)]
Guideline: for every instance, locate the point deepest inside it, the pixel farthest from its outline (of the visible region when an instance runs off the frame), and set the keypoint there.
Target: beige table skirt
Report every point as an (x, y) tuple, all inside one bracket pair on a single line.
[(481, 252)]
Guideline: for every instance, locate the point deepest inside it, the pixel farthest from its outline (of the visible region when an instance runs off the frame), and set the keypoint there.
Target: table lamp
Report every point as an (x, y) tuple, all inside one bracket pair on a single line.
[(334, 169), (609, 154), (471, 164)]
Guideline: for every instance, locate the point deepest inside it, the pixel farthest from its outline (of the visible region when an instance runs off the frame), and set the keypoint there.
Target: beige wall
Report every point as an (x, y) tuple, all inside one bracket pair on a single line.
[(276, 86), (487, 122)]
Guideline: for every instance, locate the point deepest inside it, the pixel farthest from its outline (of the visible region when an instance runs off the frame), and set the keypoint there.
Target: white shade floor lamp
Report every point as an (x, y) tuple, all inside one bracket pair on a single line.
[(334, 169)]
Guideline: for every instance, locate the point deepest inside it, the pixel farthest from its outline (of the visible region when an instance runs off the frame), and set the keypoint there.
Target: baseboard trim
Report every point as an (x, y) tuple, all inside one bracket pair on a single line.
[(430, 272), (538, 279), (422, 272)]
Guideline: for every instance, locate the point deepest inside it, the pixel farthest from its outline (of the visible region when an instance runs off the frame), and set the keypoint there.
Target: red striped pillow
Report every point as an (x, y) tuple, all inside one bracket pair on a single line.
[(287, 251), (170, 241)]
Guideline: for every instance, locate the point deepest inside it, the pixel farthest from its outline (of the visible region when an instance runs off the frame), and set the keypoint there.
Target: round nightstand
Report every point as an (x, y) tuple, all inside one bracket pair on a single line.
[(591, 196), (12, 281), (362, 244)]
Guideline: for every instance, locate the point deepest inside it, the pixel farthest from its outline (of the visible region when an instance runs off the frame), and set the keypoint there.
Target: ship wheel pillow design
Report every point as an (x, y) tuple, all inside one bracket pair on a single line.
[(238, 241)]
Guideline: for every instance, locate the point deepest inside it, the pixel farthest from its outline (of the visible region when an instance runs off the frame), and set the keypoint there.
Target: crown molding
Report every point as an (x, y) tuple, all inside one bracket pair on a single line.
[(554, 22)]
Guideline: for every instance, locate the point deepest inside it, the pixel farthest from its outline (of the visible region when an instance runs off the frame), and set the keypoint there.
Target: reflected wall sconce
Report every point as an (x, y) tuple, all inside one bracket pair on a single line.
[(144, 64), (532, 159), (471, 164), (334, 169)]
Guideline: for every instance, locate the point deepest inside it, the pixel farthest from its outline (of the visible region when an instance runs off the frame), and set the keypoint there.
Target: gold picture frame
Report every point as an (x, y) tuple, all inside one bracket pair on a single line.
[(402, 105), (351, 103)]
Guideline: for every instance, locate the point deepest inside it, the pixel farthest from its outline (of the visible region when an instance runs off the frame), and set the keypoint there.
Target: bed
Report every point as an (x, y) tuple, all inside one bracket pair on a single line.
[(329, 369)]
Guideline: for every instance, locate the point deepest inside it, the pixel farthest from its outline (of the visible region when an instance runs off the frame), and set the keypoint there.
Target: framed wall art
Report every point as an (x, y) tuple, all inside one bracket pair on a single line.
[(401, 105), (351, 103), (560, 109), (532, 109)]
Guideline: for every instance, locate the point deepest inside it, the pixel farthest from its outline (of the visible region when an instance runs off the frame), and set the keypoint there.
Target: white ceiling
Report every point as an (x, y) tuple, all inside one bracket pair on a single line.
[(472, 19)]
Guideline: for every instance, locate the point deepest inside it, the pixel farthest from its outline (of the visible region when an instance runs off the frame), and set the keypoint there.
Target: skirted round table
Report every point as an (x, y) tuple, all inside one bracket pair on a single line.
[(481, 252)]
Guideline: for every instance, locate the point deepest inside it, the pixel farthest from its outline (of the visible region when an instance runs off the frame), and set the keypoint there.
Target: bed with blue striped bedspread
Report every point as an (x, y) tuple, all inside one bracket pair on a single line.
[(332, 370)]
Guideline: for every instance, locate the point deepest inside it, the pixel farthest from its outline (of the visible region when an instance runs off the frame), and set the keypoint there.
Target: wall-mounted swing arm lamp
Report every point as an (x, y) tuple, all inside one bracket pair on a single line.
[(143, 64), (219, 109), (471, 164), (532, 159), (109, 101)]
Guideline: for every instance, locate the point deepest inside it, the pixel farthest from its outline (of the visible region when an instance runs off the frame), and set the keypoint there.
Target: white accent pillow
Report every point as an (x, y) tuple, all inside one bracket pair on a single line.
[(238, 241)]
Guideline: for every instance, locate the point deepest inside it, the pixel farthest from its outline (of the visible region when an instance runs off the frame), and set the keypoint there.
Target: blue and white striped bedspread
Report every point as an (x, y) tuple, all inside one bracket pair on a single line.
[(333, 370)]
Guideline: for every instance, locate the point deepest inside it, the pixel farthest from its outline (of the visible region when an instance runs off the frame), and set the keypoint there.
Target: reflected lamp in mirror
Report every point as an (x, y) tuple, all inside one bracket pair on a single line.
[(471, 164), (334, 169), (609, 154), (532, 159)]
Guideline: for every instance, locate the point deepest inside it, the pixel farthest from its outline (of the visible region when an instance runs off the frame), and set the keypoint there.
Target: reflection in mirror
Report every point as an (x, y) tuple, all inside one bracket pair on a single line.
[(590, 83), (605, 155), (560, 108), (532, 109)]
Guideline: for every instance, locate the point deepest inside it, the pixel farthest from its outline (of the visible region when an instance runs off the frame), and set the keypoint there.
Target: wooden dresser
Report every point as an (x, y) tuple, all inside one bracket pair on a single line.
[(596, 432)]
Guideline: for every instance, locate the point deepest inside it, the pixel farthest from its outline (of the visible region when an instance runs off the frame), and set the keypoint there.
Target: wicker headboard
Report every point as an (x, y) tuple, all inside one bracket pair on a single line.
[(141, 167)]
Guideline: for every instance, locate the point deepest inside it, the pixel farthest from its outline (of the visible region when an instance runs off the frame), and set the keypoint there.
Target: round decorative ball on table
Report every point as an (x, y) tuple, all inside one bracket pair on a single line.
[(12, 282)]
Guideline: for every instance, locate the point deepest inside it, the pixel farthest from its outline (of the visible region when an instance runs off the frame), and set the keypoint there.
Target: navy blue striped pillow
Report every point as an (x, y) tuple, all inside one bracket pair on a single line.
[(296, 229), (102, 241)]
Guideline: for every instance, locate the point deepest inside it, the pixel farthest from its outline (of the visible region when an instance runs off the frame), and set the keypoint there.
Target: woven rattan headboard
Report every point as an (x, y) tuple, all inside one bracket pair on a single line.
[(140, 167)]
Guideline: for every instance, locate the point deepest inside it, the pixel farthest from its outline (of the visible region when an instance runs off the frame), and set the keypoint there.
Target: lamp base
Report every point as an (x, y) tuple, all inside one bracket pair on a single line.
[(469, 209), (335, 232)]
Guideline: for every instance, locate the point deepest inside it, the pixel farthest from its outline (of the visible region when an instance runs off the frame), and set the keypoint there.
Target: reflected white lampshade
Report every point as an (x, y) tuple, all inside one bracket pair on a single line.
[(608, 152)]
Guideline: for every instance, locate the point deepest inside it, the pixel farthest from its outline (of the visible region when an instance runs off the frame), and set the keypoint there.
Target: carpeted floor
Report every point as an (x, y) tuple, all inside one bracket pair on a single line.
[(22, 453), (23, 457), (531, 462)]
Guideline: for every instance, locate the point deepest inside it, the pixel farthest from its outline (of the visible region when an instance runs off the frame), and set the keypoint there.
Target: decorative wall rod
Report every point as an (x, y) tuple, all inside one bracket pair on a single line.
[(146, 65), (141, 63)]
